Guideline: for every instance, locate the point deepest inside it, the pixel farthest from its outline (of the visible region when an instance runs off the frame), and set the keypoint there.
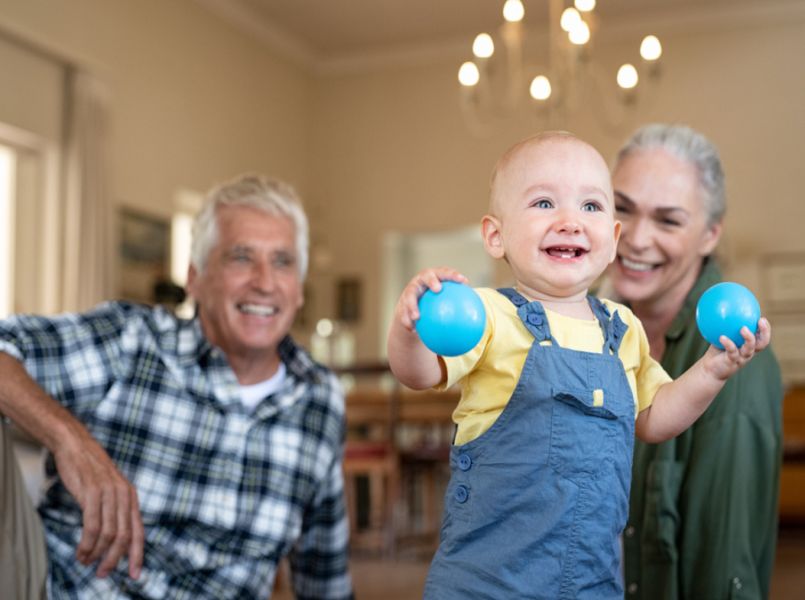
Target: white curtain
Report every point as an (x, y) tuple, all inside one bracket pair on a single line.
[(88, 237)]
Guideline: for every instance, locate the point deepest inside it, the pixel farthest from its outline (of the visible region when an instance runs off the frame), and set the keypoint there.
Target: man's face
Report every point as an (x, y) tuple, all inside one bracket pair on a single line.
[(556, 218), (250, 288)]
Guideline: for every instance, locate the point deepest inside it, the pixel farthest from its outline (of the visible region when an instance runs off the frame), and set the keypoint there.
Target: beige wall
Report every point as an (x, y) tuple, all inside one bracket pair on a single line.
[(391, 151), (193, 101), (380, 149)]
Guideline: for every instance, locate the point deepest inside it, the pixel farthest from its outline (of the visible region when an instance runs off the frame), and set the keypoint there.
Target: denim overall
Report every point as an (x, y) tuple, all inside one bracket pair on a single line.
[(535, 505)]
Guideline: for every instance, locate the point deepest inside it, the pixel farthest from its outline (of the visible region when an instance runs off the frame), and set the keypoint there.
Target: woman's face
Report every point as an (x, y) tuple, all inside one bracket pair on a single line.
[(665, 234)]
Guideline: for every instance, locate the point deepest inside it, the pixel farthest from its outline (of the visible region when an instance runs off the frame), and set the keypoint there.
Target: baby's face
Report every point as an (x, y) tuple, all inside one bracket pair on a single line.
[(553, 200)]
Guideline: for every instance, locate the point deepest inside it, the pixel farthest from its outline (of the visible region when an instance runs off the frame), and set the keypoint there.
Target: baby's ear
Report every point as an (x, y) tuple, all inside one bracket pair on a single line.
[(493, 238)]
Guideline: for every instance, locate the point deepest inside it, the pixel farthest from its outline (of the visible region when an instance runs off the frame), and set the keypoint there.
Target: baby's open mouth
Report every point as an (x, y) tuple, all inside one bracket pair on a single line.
[(565, 251)]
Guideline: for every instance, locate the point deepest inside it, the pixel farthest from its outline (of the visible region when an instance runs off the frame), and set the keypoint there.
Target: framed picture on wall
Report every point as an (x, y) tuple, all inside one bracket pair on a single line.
[(348, 299), (144, 254)]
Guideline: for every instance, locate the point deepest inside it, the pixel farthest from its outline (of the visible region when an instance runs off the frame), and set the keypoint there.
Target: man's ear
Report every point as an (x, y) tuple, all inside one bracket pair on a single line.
[(190, 286), (493, 239), (710, 239)]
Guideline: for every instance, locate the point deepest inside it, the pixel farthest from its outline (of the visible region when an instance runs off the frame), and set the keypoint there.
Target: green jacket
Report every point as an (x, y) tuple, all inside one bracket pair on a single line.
[(703, 514)]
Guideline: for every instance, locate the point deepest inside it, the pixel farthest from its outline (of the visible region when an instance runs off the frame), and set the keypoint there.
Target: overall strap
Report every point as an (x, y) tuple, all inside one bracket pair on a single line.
[(611, 325), (531, 314)]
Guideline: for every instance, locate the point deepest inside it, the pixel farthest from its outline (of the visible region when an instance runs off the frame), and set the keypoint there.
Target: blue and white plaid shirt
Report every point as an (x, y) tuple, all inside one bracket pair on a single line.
[(224, 494)]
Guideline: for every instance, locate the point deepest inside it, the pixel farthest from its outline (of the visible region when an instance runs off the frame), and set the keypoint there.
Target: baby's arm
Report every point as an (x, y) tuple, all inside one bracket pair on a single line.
[(679, 403), (412, 363)]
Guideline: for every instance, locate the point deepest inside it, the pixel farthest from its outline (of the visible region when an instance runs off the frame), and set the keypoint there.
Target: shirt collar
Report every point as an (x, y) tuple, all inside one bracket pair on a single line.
[(709, 276)]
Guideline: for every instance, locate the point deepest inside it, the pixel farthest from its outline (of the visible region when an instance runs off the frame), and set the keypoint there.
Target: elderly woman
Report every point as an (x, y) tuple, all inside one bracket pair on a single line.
[(703, 515)]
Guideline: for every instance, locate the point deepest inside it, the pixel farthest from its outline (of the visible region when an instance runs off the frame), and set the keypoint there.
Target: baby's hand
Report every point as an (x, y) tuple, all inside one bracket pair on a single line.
[(722, 364), (407, 309)]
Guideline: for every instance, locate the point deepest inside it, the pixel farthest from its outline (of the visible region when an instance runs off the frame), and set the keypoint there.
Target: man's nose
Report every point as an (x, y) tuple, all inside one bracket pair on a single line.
[(264, 276)]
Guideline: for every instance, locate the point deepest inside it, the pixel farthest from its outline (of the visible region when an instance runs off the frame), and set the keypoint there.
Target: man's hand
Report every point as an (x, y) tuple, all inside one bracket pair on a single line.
[(112, 525)]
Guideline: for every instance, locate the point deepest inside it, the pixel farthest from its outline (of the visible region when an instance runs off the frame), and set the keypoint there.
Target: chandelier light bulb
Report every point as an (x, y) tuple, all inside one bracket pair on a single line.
[(650, 48), (540, 88), (580, 34), (570, 17), (483, 46), (468, 74), (627, 76), (585, 5), (513, 11)]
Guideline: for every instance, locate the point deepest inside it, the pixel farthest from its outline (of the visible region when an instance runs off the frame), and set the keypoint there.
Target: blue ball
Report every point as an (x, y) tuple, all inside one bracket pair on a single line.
[(451, 322), (724, 309)]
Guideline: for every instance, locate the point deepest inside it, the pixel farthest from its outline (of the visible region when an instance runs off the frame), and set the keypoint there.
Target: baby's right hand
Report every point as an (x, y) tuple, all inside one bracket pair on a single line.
[(407, 309)]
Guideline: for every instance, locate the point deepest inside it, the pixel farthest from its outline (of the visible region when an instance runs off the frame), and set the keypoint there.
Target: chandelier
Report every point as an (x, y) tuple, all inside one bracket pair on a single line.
[(559, 76)]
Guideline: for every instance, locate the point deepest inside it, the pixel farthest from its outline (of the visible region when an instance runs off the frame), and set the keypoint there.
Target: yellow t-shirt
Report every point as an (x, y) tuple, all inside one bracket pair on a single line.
[(489, 372)]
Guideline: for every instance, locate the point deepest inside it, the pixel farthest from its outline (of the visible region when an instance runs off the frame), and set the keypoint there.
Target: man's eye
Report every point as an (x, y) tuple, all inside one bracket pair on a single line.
[(283, 261), (239, 257)]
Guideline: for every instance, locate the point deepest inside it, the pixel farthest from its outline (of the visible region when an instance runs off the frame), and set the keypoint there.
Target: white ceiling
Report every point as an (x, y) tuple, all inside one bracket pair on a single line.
[(320, 31)]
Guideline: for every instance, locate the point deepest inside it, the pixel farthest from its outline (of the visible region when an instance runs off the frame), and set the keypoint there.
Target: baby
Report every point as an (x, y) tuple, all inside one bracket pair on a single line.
[(554, 392)]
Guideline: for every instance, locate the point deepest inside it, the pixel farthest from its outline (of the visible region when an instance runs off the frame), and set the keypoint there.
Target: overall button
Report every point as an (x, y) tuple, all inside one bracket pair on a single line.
[(629, 531), (535, 319), (461, 494), (464, 462), (518, 300)]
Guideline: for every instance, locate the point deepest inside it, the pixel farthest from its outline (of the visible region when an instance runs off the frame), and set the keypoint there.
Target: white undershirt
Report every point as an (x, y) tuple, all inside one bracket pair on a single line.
[(252, 395)]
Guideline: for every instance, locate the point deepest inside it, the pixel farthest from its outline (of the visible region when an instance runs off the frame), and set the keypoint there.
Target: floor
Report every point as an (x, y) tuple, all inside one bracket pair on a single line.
[(403, 579)]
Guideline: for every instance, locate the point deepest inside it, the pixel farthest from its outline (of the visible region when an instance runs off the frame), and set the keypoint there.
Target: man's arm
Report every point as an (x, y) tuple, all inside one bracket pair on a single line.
[(112, 526), (320, 559)]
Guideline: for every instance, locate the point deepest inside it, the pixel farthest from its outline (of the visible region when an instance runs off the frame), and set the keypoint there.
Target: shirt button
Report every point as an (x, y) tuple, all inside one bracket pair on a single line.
[(736, 581), (632, 589), (461, 494), (629, 532), (464, 462)]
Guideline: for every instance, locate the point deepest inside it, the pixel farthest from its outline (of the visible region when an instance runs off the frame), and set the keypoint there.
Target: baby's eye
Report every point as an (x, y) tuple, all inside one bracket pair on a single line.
[(542, 203), (592, 206)]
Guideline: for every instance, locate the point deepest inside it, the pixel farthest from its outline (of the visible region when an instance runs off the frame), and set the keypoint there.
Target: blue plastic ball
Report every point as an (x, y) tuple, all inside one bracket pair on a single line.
[(451, 322), (724, 309)]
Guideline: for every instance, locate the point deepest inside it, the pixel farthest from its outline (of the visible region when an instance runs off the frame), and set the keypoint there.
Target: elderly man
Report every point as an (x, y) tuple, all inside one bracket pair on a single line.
[(190, 456)]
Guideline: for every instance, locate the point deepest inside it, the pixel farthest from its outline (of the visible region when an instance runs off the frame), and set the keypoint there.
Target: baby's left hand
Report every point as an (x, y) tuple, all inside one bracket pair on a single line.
[(722, 364)]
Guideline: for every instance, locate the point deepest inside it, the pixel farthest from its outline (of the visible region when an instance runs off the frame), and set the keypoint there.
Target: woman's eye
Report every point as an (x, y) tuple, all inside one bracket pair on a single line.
[(620, 208), (671, 222)]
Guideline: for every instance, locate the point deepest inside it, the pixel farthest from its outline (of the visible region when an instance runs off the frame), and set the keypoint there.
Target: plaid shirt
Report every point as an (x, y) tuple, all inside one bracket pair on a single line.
[(224, 494)]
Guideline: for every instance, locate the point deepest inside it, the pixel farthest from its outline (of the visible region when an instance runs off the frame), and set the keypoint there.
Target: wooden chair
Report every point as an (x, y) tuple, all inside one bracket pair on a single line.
[(370, 458), (425, 435)]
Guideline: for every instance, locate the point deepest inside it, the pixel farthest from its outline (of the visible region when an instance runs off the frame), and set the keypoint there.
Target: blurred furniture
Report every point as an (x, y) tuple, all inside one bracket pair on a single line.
[(792, 477), (425, 432), (371, 464), (396, 460)]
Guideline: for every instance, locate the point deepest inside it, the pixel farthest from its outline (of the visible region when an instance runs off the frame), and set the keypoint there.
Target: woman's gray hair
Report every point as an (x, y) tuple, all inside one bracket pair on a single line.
[(691, 146), (263, 193)]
